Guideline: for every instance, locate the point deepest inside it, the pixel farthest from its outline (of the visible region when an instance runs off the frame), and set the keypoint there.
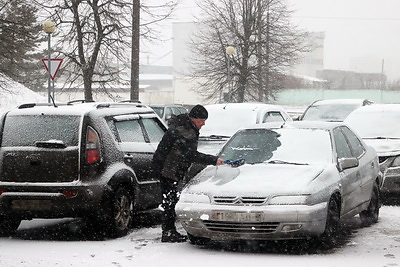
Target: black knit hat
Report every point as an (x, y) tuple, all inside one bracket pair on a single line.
[(198, 112)]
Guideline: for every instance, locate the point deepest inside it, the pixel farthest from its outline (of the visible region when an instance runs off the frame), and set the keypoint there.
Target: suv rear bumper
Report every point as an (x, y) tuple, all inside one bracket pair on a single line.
[(51, 201)]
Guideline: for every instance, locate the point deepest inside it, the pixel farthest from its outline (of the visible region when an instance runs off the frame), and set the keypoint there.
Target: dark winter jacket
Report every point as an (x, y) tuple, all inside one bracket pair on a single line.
[(178, 150)]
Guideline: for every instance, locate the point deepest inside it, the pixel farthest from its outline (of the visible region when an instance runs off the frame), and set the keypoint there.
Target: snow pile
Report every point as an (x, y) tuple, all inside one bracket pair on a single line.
[(13, 94)]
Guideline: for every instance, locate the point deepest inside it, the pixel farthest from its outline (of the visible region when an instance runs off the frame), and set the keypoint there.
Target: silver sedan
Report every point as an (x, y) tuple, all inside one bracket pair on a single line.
[(296, 180)]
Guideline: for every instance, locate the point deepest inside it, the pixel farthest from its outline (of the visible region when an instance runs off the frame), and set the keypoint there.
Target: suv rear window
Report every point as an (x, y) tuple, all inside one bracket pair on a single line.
[(20, 131)]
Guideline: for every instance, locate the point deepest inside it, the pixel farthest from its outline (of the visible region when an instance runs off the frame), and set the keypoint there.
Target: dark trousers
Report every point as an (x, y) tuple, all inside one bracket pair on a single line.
[(170, 196)]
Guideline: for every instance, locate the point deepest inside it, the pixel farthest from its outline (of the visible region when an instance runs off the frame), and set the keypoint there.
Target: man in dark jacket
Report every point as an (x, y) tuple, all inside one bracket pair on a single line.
[(174, 155)]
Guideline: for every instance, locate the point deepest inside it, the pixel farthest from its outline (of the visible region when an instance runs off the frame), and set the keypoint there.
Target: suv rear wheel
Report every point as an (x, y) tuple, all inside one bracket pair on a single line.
[(119, 212)]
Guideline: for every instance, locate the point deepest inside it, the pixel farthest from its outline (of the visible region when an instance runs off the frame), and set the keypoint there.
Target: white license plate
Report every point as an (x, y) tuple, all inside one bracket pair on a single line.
[(237, 216), (33, 204)]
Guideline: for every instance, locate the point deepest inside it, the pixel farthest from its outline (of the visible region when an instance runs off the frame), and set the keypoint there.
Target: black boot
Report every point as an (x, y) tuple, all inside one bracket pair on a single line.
[(172, 236)]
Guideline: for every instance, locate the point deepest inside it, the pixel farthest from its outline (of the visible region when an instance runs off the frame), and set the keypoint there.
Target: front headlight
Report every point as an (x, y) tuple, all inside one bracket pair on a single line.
[(194, 198), (289, 200)]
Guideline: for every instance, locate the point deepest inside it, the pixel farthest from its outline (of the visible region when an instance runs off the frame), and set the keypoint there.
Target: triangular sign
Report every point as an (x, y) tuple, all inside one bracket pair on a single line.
[(55, 66)]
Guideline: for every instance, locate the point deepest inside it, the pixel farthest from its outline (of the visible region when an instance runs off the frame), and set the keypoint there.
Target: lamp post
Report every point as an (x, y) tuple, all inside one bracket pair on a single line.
[(230, 50), (49, 27)]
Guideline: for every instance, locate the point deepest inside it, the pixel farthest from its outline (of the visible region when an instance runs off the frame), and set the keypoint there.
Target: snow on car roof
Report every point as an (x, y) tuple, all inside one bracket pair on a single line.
[(347, 101)]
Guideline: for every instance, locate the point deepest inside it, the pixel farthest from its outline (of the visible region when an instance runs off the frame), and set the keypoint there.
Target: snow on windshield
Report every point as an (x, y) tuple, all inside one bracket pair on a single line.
[(304, 146)]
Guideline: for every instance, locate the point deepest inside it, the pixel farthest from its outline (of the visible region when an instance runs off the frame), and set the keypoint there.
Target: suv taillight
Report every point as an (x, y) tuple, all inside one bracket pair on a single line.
[(92, 151)]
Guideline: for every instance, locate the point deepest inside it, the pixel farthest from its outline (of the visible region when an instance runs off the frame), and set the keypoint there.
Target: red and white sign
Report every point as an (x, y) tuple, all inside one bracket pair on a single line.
[(55, 66)]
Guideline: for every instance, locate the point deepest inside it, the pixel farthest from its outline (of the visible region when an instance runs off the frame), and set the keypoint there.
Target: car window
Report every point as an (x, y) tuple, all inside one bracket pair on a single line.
[(356, 145), (182, 110), (273, 116), (153, 129), (159, 111), (21, 131), (129, 131), (168, 112), (334, 112), (342, 147)]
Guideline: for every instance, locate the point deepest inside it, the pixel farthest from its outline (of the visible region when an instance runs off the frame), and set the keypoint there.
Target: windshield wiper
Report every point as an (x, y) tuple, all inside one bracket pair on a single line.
[(214, 137), (277, 161), (381, 137)]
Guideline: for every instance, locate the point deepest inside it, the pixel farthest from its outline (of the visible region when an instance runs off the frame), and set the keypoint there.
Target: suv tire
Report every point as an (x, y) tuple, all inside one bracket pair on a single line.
[(120, 212)]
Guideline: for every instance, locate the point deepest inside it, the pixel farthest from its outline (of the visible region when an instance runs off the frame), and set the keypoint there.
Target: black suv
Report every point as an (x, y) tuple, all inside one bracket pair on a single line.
[(90, 160)]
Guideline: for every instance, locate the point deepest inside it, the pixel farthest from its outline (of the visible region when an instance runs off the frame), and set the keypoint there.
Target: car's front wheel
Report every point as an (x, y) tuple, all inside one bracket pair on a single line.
[(198, 240), (330, 235), (371, 214)]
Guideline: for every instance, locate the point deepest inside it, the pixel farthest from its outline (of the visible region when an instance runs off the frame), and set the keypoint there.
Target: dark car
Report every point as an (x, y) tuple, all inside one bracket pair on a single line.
[(90, 160)]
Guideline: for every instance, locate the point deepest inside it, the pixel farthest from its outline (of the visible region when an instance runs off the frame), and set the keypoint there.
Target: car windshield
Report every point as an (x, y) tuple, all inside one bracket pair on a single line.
[(286, 145), (20, 131), (384, 123), (334, 112)]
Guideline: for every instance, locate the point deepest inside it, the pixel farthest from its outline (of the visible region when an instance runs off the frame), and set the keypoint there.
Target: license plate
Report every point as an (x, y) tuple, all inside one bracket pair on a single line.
[(237, 216), (33, 204)]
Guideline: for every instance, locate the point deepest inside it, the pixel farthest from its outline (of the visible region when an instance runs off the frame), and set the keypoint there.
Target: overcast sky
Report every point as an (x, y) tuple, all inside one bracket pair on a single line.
[(360, 35)]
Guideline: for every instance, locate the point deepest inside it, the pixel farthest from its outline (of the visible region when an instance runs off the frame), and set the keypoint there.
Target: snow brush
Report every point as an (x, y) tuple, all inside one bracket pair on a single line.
[(236, 162)]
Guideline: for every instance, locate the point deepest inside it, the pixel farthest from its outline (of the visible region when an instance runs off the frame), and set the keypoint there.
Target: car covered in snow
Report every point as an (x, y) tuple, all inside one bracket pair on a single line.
[(332, 109), (286, 181), (87, 160), (378, 127)]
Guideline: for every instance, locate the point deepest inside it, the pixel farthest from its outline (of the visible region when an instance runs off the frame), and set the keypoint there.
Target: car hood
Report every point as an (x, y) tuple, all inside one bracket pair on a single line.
[(257, 179), (384, 147)]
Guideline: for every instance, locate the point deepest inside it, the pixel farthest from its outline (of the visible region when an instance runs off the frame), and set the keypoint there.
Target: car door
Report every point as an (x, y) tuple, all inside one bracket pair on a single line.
[(366, 164), (138, 137), (350, 178)]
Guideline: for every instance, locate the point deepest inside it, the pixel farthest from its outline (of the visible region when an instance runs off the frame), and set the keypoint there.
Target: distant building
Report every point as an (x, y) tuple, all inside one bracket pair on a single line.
[(340, 79)]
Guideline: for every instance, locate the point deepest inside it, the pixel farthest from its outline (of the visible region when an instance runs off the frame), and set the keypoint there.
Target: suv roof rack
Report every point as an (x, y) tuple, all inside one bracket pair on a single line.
[(79, 101), (129, 101), (31, 105)]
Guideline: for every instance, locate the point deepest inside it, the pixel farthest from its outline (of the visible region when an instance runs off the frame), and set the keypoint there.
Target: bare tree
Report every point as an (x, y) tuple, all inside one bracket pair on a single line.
[(95, 38), (265, 41)]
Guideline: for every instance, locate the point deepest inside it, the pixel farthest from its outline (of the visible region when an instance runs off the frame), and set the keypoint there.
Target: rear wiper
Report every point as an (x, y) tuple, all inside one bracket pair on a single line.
[(50, 144), (277, 161)]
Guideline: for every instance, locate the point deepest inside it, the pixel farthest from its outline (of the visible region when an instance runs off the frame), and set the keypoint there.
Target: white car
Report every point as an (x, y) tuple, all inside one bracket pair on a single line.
[(378, 127), (298, 180), (332, 109)]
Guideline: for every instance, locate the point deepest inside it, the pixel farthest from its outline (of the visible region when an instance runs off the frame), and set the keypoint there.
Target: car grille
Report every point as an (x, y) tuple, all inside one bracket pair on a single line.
[(241, 227), (239, 201)]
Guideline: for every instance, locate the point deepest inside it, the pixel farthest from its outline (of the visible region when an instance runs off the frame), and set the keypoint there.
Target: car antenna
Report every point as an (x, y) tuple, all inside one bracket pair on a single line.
[(52, 100)]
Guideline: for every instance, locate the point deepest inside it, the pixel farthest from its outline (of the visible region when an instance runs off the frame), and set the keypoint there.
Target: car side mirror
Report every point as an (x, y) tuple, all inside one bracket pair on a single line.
[(347, 163)]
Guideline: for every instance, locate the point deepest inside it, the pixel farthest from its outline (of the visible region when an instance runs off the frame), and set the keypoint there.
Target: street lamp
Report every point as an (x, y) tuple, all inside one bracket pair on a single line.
[(49, 27), (230, 50)]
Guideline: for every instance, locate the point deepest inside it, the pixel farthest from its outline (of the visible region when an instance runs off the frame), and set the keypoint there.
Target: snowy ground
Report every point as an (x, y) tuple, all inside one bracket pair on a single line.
[(62, 243)]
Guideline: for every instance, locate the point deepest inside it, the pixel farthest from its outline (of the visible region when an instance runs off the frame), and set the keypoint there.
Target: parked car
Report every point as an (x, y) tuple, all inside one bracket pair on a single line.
[(298, 180), (168, 110), (378, 126), (225, 119), (89, 160), (332, 109)]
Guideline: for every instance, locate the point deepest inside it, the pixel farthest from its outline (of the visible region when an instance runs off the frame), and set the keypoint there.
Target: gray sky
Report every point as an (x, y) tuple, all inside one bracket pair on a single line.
[(360, 35)]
